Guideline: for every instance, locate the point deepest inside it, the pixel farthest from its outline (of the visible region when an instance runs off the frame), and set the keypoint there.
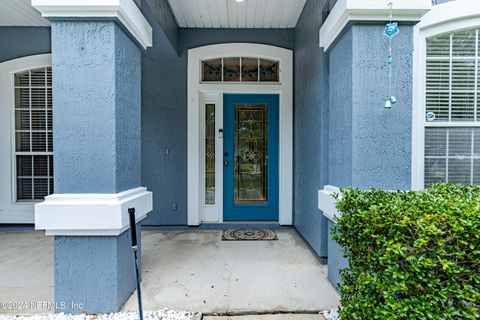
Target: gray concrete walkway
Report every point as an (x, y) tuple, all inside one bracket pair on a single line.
[(187, 270), (196, 271), (26, 272)]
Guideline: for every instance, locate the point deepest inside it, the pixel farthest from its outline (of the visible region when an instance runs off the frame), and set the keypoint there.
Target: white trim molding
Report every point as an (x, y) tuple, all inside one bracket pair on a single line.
[(12, 211), (346, 11), (443, 18), (200, 93), (91, 214), (126, 11), (327, 203)]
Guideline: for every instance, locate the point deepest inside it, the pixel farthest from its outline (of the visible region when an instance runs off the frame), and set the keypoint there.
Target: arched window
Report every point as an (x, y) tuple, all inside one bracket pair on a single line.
[(33, 147), (446, 104), (452, 111), (240, 69)]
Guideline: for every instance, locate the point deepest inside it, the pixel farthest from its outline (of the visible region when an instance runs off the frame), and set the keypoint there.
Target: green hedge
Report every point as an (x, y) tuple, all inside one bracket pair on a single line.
[(412, 255)]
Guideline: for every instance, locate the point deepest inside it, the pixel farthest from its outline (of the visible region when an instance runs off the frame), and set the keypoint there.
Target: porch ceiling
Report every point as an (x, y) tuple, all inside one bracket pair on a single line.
[(234, 14), (20, 13)]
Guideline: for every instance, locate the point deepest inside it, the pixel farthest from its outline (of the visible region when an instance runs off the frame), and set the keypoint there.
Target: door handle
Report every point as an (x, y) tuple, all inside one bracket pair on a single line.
[(225, 163)]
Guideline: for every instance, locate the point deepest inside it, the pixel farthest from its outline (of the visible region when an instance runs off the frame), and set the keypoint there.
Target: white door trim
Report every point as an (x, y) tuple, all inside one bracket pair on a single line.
[(200, 93), (10, 210)]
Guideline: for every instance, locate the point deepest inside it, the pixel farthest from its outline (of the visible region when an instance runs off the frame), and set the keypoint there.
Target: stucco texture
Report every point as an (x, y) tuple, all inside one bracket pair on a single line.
[(97, 119), (94, 274), (310, 126), (96, 72), (381, 138)]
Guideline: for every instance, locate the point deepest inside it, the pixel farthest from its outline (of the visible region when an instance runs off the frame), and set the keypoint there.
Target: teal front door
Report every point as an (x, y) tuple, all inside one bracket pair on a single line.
[(250, 159)]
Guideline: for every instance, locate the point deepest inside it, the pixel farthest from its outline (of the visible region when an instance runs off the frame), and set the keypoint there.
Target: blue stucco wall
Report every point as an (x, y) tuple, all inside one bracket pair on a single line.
[(97, 107), (192, 37), (336, 260), (382, 138), (96, 123), (164, 111), (19, 42), (164, 126), (97, 273), (310, 127), (340, 112), (370, 146), (160, 9), (127, 113)]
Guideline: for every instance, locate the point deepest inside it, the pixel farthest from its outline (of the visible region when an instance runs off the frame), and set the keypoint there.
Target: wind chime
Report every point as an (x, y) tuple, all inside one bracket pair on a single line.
[(391, 30)]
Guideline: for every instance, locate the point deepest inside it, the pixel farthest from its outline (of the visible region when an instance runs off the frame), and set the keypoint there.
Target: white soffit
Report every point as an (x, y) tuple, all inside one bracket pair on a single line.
[(346, 11), (126, 11), (233, 14), (20, 13)]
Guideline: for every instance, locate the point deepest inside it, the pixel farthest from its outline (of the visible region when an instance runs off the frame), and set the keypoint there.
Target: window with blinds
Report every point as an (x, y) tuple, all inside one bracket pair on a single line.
[(452, 127), (33, 134)]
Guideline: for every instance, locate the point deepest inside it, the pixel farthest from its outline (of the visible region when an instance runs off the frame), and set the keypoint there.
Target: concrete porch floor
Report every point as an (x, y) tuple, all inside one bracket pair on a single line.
[(187, 270), (196, 271)]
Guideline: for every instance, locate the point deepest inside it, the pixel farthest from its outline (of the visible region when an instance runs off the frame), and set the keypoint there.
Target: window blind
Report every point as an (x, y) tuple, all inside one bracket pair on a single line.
[(452, 130), (33, 134)]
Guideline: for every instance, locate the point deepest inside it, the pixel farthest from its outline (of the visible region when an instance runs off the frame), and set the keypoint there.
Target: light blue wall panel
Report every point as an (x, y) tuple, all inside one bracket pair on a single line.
[(370, 146), (127, 112), (96, 273), (336, 260), (381, 138), (19, 42), (97, 114), (97, 149), (340, 112), (310, 127)]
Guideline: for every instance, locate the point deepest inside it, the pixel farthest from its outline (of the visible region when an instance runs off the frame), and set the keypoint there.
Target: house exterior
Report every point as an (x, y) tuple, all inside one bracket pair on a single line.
[(207, 113)]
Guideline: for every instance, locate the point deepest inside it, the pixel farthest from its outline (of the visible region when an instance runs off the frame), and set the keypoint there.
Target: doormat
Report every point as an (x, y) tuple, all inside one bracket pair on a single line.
[(248, 235)]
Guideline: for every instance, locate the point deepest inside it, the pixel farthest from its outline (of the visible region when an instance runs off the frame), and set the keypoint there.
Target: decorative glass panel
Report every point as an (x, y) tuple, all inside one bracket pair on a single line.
[(33, 134), (251, 154), (236, 69), (210, 154), (269, 70), (231, 69), (250, 69), (212, 70)]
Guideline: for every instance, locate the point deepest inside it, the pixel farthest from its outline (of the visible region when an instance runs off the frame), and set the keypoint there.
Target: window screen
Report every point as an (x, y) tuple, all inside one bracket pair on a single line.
[(33, 134), (452, 133)]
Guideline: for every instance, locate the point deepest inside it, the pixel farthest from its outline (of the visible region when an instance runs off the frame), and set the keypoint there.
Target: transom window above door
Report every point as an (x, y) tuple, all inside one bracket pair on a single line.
[(240, 69)]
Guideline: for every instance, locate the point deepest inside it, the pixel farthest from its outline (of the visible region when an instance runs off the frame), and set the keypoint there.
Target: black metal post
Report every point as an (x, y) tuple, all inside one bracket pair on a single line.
[(133, 232)]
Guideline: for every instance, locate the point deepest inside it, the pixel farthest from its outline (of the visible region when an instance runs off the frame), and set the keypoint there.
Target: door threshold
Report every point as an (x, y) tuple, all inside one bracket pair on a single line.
[(242, 224)]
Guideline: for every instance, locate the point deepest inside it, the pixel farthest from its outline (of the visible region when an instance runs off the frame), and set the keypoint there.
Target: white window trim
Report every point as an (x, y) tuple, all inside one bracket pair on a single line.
[(443, 18), (12, 211), (200, 93)]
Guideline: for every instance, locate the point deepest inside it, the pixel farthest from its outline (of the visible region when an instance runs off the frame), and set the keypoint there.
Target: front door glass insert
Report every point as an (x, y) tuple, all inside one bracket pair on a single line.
[(251, 154)]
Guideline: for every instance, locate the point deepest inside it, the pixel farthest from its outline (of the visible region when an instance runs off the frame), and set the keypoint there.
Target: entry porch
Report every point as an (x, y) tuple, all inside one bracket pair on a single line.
[(185, 270)]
